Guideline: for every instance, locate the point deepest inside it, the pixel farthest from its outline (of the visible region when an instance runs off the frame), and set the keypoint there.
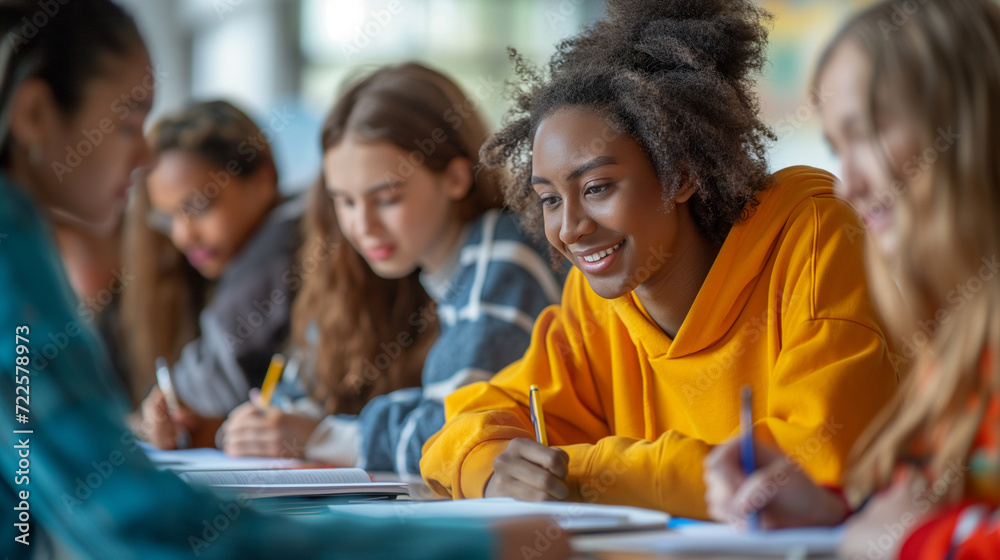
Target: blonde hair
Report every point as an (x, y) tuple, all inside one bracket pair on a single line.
[(941, 65)]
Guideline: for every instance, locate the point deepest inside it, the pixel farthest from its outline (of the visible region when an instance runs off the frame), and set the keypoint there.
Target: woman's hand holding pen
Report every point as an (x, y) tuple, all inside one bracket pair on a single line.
[(263, 432), (902, 507), (530, 471), (779, 490), (161, 428)]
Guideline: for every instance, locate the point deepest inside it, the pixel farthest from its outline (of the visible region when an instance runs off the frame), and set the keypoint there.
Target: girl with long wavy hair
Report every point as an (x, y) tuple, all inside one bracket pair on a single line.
[(912, 114), (402, 191)]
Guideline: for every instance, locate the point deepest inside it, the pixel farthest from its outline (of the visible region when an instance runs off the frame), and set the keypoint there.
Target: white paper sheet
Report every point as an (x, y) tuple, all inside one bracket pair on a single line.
[(573, 517), (205, 459)]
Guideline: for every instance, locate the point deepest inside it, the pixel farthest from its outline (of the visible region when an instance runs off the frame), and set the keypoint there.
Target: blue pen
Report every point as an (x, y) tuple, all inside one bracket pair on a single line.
[(746, 443)]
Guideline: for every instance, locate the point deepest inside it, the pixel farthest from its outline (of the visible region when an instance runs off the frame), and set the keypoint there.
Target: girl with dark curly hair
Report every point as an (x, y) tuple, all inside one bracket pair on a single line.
[(642, 158)]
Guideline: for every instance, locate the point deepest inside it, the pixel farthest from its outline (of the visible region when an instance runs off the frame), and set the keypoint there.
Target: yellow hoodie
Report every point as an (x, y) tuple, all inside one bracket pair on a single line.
[(785, 308)]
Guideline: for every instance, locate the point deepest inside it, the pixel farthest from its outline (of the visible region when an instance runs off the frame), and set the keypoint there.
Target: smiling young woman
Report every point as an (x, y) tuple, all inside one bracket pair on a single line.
[(696, 273), (907, 113)]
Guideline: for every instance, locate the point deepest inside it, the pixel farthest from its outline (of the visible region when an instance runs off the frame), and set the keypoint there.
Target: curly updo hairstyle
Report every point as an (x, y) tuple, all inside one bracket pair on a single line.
[(676, 76)]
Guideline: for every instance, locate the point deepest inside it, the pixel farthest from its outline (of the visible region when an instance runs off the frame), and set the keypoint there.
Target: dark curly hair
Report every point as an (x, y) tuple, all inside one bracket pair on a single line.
[(673, 75)]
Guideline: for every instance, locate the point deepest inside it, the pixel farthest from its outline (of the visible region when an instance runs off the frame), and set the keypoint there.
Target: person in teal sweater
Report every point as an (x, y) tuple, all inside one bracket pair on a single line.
[(74, 94)]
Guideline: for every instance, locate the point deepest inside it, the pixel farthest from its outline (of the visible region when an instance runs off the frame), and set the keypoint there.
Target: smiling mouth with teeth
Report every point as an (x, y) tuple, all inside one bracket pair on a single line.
[(601, 254)]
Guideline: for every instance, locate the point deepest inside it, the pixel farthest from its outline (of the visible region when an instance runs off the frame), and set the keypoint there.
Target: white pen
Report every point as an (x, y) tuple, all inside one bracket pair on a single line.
[(166, 385)]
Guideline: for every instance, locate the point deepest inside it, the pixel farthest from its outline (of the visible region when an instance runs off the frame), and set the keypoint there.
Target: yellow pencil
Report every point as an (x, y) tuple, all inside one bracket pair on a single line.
[(537, 416), (271, 380)]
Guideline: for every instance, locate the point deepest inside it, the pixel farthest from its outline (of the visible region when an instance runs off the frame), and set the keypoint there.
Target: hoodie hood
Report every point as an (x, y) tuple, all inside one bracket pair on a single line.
[(736, 269)]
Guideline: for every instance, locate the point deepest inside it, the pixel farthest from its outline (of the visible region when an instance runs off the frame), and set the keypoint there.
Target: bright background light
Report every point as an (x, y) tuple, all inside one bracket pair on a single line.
[(293, 56)]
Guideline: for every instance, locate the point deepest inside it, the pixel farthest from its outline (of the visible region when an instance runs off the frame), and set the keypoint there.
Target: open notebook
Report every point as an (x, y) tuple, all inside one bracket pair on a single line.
[(205, 459), (301, 482), (576, 518)]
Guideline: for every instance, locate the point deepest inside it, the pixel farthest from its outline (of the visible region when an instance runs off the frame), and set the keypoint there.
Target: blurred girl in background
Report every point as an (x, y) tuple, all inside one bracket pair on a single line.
[(211, 245), (913, 117)]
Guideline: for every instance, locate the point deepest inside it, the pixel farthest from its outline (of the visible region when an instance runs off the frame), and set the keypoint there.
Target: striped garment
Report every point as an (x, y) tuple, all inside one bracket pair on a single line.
[(487, 300)]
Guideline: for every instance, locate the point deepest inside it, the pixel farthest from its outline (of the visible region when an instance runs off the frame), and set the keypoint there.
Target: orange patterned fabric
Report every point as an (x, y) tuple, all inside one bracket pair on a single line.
[(970, 531), (935, 539)]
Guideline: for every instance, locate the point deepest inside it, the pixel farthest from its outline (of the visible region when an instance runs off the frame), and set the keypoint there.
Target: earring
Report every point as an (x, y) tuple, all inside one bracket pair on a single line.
[(35, 154)]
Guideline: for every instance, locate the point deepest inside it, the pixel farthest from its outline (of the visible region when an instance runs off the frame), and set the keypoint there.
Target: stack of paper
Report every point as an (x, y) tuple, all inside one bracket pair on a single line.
[(267, 477), (303, 482)]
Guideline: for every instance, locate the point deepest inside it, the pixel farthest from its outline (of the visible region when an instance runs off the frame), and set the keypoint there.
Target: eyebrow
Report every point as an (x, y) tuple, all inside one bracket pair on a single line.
[(372, 190), (189, 201), (848, 122), (597, 162)]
